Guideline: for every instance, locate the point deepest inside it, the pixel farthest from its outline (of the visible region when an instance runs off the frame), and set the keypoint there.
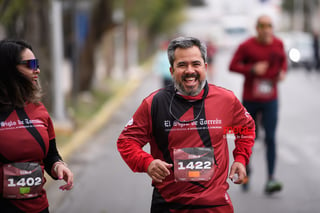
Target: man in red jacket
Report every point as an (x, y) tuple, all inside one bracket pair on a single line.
[(262, 61), (186, 125)]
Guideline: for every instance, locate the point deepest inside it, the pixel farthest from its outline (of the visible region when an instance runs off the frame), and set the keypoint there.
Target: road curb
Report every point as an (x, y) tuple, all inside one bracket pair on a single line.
[(100, 118), (82, 135)]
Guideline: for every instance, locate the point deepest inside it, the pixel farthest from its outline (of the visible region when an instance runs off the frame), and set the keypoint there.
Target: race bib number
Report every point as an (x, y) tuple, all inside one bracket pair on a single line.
[(193, 164), (263, 88), (22, 180)]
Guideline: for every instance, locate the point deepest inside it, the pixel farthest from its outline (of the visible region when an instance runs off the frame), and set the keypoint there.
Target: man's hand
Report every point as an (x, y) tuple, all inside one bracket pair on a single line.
[(260, 68), (282, 75), (240, 170), (158, 170)]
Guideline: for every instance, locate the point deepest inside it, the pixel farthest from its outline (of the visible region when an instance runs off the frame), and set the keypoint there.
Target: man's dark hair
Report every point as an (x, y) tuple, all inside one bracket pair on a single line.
[(186, 42)]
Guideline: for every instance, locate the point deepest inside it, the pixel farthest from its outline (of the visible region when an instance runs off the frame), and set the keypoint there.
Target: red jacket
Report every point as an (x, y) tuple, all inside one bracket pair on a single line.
[(250, 52), (153, 123)]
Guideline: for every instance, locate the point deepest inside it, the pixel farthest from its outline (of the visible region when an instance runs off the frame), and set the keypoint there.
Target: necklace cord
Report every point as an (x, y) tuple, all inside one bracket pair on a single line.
[(188, 121)]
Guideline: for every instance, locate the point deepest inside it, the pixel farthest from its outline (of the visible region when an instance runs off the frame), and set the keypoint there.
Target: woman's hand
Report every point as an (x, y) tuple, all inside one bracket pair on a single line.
[(62, 171)]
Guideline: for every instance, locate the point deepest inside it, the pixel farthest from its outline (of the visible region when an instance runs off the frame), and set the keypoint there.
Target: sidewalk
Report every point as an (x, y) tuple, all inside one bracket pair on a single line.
[(98, 168), (81, 135)]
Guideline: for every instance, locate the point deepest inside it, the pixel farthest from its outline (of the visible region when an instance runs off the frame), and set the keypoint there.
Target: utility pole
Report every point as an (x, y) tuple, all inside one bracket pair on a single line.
[(298, 15), (57, 60)]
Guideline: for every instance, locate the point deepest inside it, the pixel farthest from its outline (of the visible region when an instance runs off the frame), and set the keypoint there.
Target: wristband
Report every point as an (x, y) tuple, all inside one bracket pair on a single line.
[(56, 164)]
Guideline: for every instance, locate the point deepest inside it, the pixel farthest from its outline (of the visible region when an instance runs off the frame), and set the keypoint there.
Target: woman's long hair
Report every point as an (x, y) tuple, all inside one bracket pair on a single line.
[(15, 88)]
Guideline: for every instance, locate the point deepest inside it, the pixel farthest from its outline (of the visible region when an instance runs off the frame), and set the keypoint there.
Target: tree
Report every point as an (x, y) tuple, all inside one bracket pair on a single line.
[(155, 18), (307, 8), (29, 21), (100, 22)]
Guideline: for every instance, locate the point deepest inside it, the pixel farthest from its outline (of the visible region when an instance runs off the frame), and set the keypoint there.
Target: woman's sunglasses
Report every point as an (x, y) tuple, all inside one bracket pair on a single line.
[(31, 64)]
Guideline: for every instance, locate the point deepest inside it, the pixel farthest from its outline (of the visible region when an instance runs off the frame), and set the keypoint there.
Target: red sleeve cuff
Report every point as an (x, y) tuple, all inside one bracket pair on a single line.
[(147, 163), (241, 159)]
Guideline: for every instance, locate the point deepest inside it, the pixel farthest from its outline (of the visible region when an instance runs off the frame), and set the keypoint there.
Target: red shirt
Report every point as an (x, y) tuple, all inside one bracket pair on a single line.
[(153, 123), (17, 144), (259, 88)]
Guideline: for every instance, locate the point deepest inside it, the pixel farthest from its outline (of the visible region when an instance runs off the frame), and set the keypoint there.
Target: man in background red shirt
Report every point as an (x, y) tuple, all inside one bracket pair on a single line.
[(262, 61)]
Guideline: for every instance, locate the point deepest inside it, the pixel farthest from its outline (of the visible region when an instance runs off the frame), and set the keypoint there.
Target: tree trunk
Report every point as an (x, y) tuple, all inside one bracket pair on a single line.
[(101, 22), (36, 32)]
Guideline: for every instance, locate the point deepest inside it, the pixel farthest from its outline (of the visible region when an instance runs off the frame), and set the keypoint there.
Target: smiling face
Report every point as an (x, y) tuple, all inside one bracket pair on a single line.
[(31, 74), (189, 71)]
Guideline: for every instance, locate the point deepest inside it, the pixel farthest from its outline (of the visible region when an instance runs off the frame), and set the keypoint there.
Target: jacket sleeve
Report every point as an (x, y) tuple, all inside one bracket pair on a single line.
[(244, 131), (135, 157), (53, 153), (135, 135), (52, 157), (238, 64)]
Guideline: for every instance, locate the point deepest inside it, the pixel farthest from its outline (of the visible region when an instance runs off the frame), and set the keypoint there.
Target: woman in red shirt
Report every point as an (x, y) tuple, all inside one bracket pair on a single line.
[(27, 138)]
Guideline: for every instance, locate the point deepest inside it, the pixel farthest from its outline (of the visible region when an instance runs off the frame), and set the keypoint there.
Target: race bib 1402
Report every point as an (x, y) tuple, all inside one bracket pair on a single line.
[(22, 180)]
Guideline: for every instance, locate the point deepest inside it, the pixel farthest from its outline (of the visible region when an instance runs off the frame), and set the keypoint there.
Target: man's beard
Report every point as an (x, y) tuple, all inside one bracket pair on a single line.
[(193, 92)]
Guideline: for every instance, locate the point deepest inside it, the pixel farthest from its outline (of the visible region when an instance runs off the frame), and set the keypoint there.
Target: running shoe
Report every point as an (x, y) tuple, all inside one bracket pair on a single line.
[(273, 186)]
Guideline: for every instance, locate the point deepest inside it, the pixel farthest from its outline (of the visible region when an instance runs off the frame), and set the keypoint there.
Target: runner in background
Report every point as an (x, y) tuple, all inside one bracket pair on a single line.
[(161, 64), (262, 61), (211, 51)]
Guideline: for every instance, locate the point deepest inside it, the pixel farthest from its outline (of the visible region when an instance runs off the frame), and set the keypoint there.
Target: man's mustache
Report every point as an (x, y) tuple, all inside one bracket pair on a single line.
[(193, 75)]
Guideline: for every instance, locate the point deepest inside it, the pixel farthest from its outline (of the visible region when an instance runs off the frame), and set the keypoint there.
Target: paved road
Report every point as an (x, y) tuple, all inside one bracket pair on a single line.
[(104, 184), (298, 147)]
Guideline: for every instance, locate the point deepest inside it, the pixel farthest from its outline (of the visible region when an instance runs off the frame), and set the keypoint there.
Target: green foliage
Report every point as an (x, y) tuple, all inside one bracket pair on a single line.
[(11, 10), (165, 17), (156, 16), (87, 107)]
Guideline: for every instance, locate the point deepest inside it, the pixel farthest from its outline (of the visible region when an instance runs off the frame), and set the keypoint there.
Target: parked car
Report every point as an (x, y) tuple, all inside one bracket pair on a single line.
[(235, 30), (299, 49)]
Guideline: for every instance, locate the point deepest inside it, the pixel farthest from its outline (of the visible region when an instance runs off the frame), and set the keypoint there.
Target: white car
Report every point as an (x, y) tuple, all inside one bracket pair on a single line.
[(299, 49)]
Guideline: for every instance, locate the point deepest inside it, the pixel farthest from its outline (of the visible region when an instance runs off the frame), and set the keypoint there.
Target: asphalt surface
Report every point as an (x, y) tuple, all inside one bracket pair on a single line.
[(104, 183)]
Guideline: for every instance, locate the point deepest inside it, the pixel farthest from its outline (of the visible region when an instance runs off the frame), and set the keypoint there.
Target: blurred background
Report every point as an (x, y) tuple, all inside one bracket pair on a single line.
[(91, 49)]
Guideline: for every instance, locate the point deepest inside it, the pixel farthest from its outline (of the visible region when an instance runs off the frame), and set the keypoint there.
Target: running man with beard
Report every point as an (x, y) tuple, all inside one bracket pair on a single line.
[(186, 124)]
